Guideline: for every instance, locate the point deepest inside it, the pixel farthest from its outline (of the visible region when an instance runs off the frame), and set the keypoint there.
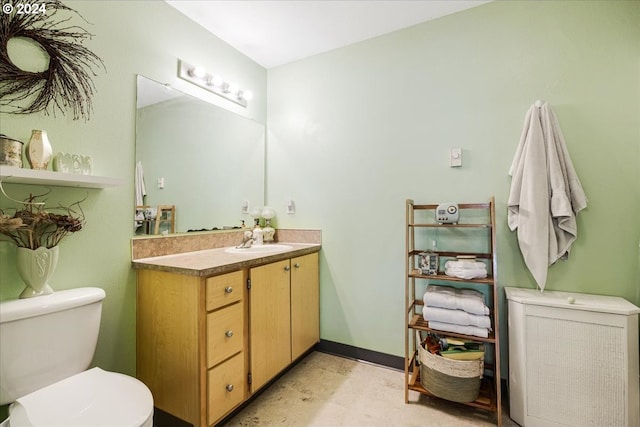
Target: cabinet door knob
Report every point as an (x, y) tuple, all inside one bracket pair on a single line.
[(297, 265), (229, 387), (229, 333), (287, 268), (228, 289)]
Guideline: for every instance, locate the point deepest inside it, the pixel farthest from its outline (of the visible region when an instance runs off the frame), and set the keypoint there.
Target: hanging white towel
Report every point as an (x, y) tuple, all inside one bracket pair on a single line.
[(141, 190), (546, 194)]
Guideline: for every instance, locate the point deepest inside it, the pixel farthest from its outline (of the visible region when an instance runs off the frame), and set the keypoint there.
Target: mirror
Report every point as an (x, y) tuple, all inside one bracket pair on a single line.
[(196, 156)]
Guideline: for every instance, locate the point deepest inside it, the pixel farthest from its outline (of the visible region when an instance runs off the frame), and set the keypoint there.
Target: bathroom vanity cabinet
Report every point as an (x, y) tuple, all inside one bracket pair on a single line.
[(206, 343), (284, 314)]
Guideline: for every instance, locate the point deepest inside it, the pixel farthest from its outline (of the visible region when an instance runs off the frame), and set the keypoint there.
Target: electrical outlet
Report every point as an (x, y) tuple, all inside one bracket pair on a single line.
[(245, 206)]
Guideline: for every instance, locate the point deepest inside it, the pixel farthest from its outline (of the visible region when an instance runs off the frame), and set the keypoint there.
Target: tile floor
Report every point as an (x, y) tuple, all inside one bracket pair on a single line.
[(325, 390)]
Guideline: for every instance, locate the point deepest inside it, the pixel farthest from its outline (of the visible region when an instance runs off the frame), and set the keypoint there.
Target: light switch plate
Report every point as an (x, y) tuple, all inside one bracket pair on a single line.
[(291, 207), (455, 157)]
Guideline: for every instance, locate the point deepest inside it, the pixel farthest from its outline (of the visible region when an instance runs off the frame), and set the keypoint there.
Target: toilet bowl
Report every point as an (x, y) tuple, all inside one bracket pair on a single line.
[(46, 345), (86, 399)]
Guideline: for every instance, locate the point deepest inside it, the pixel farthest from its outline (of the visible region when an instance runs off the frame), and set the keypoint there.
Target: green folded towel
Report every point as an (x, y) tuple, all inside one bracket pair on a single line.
[(459, 354)]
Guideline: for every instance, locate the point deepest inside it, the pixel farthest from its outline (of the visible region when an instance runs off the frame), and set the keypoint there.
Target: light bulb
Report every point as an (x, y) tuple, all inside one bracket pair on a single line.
[(255, 213), (233, 88), (216, 81), (268, 212), (198, 72), (246, 94)]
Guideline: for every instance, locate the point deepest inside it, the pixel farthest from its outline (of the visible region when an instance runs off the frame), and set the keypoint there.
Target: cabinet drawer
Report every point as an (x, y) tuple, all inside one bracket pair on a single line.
[(224, 289), (225, 333), (227, 384)]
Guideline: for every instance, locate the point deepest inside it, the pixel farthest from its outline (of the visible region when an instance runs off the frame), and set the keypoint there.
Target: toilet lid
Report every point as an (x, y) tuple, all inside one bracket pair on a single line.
[(91, 398)]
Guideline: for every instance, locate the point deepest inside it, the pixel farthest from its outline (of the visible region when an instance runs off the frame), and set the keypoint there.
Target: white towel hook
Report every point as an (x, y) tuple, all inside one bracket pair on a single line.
[(539, 103)]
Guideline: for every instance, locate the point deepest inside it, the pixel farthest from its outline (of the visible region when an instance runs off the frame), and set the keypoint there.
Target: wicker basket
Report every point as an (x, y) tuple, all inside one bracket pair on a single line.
[(455, 380)]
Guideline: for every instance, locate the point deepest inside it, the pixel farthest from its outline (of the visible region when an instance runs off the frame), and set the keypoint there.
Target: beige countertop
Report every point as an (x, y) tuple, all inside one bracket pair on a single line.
[(211, 262)]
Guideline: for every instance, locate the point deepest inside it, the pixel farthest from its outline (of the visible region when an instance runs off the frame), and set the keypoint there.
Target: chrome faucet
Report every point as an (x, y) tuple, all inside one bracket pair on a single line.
[(247, 240)]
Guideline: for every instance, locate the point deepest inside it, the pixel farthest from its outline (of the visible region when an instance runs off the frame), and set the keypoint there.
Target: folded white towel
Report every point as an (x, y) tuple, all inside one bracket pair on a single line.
[(467, 265), (465, 269), (469, 300), (466, 330), (465, 273), (456, 317)]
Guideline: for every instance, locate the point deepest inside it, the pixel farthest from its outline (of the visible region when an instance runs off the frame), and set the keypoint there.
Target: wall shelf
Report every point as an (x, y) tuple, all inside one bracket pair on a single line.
[(13, 175)]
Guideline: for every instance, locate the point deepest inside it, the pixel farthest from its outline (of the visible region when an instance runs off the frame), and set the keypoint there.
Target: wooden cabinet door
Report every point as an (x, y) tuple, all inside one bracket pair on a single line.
[(270, 321), (305, 304)]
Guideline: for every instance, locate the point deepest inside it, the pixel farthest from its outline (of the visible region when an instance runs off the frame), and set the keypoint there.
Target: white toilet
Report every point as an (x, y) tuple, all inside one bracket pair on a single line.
[(46, 345)]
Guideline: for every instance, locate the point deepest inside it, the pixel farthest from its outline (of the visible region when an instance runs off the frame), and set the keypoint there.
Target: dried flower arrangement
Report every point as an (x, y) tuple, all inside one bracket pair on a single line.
[(32, 226)]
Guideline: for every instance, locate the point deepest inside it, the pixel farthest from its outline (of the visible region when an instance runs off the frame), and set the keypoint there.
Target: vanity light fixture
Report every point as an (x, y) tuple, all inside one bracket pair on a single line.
[(213, 83)]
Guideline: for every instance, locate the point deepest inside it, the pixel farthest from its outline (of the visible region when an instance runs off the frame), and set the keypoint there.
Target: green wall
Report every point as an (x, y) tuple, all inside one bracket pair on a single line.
[(362, 128), (131, 37)]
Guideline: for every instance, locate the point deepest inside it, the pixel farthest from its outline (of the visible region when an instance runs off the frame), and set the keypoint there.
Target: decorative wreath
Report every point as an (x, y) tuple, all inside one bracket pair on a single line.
[(66, 83)]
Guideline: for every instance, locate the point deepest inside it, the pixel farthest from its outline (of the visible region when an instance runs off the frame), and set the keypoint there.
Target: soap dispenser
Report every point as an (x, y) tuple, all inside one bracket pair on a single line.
[(258, 236)]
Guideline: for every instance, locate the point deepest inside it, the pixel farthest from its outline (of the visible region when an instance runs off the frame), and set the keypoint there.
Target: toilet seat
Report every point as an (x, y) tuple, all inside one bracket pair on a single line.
[(91, 398)]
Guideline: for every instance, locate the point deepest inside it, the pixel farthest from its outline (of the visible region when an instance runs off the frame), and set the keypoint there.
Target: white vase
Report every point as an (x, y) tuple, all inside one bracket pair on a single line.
[(35, 267), (39, 151)]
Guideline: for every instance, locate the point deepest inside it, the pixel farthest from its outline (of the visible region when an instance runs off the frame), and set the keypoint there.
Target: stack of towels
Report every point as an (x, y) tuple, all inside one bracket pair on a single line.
[(456, 310), (466, 269)]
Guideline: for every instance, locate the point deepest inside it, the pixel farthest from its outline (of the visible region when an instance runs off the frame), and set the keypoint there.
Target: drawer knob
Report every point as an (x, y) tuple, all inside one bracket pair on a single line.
[(229, 387), (287, 268), (297, 265), (229, 333), (228, 289)]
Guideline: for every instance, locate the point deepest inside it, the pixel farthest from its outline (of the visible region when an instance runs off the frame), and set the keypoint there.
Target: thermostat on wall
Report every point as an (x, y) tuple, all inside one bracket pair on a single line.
[(447, 213)]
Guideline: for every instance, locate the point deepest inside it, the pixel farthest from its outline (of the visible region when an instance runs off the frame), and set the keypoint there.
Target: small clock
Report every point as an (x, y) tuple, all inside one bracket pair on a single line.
[(447, 213)]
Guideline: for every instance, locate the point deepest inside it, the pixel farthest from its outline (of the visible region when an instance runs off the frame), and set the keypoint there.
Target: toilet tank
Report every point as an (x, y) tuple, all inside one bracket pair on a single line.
[(46, 339)]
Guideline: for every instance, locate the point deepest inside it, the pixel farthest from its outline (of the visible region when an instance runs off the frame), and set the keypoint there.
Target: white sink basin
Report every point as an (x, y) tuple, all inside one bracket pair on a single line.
[(259, 249)]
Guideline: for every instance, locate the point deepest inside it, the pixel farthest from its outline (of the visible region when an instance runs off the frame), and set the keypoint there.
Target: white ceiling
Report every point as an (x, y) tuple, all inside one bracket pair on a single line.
[(273, 33)]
